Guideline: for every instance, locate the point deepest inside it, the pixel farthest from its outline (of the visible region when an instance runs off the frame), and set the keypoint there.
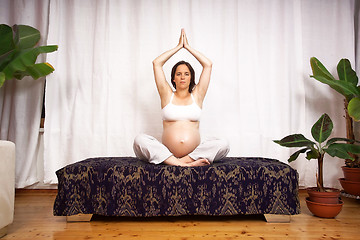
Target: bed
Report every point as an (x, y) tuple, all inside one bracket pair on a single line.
[(127, 186)]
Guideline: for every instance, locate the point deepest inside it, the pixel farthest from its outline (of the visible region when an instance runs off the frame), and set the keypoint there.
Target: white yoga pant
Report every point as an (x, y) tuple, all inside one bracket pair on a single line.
[(149, 149)]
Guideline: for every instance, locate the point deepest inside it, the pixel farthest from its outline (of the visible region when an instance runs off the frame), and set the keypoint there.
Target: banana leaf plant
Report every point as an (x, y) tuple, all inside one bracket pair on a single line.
[(347, 85), (320, 131), (18, 53)]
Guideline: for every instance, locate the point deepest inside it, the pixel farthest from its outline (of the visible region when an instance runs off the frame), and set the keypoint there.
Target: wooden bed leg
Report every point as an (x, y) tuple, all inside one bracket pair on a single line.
[(3, 231), (277, 218), (79, 218)]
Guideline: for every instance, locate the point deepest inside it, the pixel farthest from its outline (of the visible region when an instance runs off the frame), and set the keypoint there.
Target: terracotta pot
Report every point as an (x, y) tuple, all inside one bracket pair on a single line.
[(332, 196), (324, 210), (351, 174), (350, 187)]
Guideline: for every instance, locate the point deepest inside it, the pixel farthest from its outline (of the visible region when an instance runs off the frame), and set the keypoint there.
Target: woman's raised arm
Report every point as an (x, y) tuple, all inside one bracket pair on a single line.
[(162, 85), (202, 87)]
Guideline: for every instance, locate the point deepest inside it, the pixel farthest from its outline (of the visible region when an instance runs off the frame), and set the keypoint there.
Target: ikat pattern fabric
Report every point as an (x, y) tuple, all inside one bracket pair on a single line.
[(127, 186)]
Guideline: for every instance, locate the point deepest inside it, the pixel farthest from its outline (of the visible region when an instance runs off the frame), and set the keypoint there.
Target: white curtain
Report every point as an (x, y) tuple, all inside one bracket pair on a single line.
[(102, 93), (21, 101)]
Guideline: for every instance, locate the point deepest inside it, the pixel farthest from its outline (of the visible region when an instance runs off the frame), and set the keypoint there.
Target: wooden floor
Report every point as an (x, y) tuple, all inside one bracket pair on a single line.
[(34, 220)]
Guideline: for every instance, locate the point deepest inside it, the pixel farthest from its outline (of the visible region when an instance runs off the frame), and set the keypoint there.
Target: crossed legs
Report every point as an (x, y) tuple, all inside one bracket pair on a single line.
[(149, 149)]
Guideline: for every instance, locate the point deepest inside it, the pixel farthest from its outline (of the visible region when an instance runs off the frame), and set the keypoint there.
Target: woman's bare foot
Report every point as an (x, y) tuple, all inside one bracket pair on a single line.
[(172, 160), (199, 162), (186, 161)]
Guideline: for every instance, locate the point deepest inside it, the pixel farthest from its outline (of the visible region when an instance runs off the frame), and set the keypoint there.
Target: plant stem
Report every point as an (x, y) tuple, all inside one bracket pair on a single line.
[(349, 123), (350, 135), (320, 180)]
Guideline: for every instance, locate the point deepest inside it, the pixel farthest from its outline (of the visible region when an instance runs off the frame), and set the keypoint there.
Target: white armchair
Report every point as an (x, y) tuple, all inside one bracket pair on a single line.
[(7, 184)]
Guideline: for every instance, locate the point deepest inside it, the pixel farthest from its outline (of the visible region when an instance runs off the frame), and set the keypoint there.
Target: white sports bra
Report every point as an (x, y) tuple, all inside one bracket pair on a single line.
[(173, 112)]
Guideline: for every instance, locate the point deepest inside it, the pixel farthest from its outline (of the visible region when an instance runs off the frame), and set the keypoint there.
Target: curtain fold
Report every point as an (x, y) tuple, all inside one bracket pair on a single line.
[(21, 101), (102, 93)]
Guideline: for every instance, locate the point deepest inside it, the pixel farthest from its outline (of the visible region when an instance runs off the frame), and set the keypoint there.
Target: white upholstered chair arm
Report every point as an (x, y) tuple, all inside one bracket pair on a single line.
[(7, 184)]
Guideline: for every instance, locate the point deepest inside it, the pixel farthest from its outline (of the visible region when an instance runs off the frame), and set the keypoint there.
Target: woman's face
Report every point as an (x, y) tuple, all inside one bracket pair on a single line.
[(182, 77)]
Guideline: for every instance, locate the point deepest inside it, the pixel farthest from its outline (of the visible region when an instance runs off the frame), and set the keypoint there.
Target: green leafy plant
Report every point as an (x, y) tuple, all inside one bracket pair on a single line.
[(18, 53), (321, 131), (347, 85)]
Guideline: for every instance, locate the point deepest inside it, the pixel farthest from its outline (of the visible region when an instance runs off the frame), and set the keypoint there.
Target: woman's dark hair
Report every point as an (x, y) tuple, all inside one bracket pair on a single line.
[(192, 74)]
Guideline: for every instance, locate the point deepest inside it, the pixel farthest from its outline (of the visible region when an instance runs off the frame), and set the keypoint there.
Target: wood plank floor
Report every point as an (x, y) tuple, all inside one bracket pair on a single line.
[(34, 220)]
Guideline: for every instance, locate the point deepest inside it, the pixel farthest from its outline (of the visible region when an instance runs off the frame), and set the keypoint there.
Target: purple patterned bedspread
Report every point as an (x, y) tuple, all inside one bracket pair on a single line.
[(127, 186)]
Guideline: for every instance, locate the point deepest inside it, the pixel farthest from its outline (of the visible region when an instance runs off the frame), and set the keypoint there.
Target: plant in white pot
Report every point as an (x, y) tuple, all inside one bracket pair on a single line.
[(335, 147)]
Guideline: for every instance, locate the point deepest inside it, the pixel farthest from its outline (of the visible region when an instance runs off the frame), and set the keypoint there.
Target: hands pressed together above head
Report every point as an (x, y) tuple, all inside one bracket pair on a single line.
[(183, 42)]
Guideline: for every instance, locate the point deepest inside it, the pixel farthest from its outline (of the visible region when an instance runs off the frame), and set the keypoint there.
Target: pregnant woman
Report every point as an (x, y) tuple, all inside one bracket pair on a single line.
[(181, 110)]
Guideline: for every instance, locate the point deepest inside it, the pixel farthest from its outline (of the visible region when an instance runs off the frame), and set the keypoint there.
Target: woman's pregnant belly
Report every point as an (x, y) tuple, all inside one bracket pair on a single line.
[(181, 137)]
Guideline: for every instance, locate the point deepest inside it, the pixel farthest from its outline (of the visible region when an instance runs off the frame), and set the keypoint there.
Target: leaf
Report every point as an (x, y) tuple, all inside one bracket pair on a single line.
[(26, 59), (295, 155), (39, 70), (295, 140), (354, 108), (35, 71), (319, 69), (312, 154), (346, 73), (6, 58), (2, 79), (322, 128), (353, 148), (7, 45), (18, 55), (333, 140), (20, 74), (344, 88), (6, 40), (342, 150), (338, 153), (26, 36)]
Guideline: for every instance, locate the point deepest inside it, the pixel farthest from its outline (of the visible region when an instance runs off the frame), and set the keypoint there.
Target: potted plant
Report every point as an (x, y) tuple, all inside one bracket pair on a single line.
[(18, 53), (347, 85), (335, 147)]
